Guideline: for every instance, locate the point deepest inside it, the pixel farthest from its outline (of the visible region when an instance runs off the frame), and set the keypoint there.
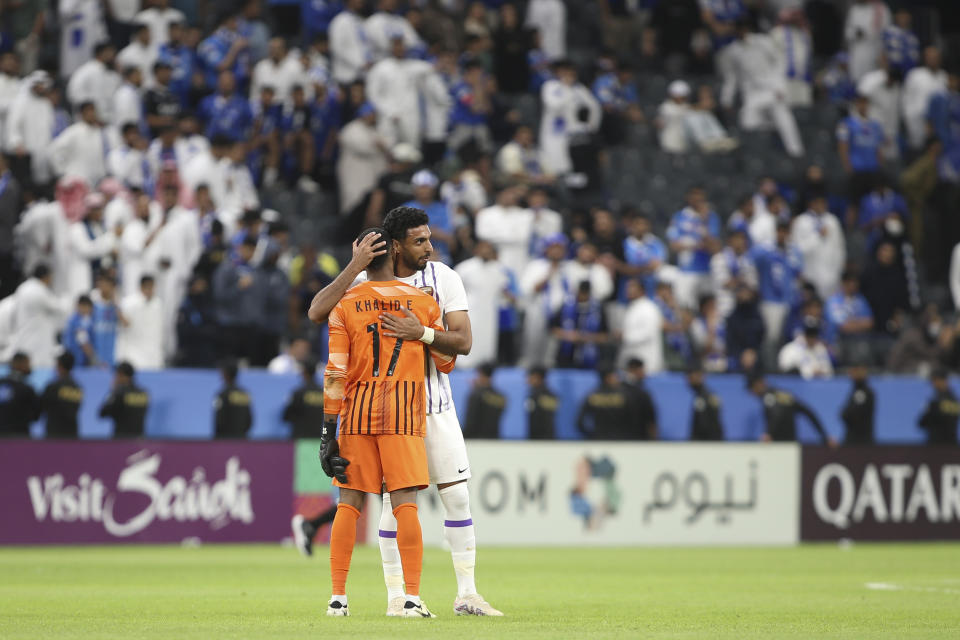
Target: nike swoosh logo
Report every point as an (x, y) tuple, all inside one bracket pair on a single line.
[(462, 470)]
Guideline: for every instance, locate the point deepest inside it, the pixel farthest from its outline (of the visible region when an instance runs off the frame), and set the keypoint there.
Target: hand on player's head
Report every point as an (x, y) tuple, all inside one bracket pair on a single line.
[(368, 248)]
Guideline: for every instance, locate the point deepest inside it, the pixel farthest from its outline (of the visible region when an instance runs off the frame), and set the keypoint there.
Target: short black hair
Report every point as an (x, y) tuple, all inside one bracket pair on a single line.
[(635, 363), (125, 369), (379, 261), (129, 127), (66, 361), (86, 104), (41, 271), (228, 368), (146, 280), (161, 64), (537, 371), (486, 369), (138, 27), (400, 220), (220, 140), (19, 357), (85, 299), (101, 47)]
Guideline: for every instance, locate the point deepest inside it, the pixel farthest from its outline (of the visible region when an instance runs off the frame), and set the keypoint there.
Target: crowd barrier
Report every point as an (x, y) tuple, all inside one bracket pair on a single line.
[(522, 493), (182, 403)]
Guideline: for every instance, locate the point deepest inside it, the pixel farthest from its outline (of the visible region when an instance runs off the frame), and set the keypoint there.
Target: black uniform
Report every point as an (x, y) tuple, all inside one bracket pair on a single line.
[(305, 411), (705, 424), (541, 406), (232, 417), (19, 406), (643, 405), (127, 406), (940, 419), (780, 408), (858, 414), (484, 409), (61, 402), (609, 413)]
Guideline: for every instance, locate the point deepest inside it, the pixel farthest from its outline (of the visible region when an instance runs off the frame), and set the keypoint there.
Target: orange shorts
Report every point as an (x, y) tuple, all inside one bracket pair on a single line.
[(398, 460)]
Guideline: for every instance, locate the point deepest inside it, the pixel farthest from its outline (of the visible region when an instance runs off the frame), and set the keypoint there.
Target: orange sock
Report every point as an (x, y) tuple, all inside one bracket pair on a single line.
[(410, 543), (343, 535)]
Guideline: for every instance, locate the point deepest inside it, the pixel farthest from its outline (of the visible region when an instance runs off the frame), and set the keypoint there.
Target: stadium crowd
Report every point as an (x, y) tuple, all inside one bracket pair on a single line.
[(179, 178)]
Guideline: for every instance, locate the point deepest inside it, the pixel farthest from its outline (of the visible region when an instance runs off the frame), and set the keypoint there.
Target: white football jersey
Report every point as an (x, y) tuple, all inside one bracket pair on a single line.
[(446, 287)]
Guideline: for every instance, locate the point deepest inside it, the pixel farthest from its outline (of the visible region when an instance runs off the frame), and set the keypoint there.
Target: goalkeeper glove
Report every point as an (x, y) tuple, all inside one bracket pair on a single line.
[(331, 462)]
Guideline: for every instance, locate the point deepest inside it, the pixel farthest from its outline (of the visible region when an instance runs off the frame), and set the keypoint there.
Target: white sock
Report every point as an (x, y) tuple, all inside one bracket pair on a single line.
[(341, 599), (389, 552), (459, 533), (414, 599)]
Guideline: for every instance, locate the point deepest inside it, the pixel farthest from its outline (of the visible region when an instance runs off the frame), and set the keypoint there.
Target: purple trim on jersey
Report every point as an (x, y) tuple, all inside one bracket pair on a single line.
[(388, 534), (436, 292), (458, 523)]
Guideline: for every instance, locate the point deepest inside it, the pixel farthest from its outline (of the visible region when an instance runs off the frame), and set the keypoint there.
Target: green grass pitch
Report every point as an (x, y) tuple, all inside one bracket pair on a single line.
[(271, 592)]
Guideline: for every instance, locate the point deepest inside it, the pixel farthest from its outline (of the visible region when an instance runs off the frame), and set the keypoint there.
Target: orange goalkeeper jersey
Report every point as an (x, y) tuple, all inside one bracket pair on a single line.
[(376, 383)]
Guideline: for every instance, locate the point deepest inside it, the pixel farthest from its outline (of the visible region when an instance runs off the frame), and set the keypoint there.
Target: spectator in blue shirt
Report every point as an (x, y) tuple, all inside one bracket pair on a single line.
[(643, 255), (264, 157), (226, 113), (226, 50), (880, 209), (78, 334), (675, 324), (778, 268), (721, 17), (837, 81), (316, 16), (471, 108), (299, 149), (580, 328), (424, 185), (944, 111), (325, 122), (900, 45), (182, 60), (617, 94), (694, 236), (849, 321), (539, 65), (106, 317), (860, 143)]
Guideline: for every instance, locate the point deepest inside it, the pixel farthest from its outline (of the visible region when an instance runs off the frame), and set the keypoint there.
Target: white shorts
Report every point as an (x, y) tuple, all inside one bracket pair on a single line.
[(446, 451)]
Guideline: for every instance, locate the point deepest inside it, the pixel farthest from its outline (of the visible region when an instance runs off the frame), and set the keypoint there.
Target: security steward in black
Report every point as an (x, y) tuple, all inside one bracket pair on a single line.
[(940, 418), (705, 423), (484, 407), (127, 404), (609, 413), (304, 410), (232, 415), (62, 399), (859, 411), (541, 406), (780, 409), (635, 380), (19, 404)]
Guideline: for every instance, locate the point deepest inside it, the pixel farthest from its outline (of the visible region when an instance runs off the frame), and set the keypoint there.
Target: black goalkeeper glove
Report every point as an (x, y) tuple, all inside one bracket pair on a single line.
[(331, 462)]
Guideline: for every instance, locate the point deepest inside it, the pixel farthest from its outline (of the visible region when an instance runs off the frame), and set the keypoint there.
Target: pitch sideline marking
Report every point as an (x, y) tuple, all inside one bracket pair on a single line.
[(888, 586)]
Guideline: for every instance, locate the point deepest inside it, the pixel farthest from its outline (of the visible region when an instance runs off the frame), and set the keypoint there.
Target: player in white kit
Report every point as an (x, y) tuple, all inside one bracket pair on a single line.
[(449, 467)]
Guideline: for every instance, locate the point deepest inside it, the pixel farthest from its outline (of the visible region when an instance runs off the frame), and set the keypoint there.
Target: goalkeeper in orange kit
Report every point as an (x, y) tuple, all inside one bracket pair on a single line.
[(375, 385)]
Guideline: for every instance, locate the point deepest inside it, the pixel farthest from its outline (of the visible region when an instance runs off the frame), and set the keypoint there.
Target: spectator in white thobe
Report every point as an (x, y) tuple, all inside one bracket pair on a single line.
[(89, 243), (806, 354), (672, 118), (128, 161), (30, 124), (549, 17), (140, 334), (39, 315), (207, 167), (393, 87), (82, 148), (563, 100), (158, 18), (139, 53), (792, 37), (863, 33), (921, 84), (585, 268), (544, 288), (484, 279), (642, 330), (508, 227), (278, 70), (349, 45), (96, 81), (128, 101), (819, 236), (384, 25), (136, 256), (756, 70), (363, 158)]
